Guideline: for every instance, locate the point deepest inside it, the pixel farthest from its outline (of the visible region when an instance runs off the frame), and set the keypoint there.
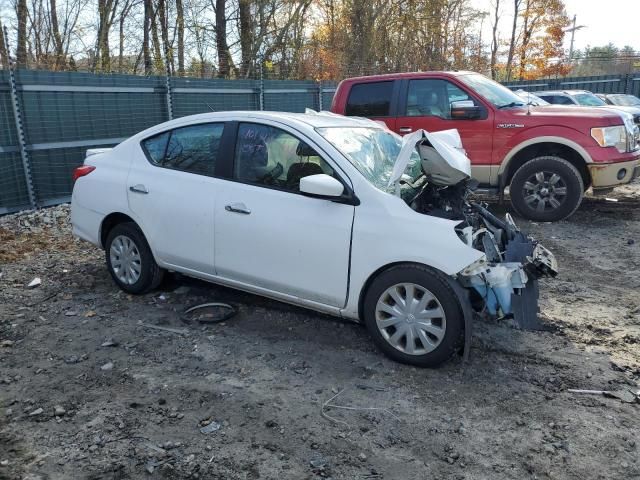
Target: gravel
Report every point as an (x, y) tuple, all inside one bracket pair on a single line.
[(264, 374)]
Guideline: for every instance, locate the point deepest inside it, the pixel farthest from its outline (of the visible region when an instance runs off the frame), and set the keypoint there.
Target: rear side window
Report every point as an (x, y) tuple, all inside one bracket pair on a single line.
[(192, 149), (370, 99), (557, 99)]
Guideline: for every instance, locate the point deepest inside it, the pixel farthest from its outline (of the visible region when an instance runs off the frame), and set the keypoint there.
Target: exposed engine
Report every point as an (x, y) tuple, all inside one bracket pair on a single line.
[(506, 281)]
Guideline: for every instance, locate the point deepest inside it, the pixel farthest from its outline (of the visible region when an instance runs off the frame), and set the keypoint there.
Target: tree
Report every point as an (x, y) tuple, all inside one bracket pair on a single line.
[(180, 28), (146, 52), (494, 38), (4, 54), (540, 46), (21, 48), (224, 56), (512, 43)]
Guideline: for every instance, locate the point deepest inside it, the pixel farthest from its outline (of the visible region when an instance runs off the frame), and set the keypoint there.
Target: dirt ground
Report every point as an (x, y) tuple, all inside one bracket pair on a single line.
[(88, 390)]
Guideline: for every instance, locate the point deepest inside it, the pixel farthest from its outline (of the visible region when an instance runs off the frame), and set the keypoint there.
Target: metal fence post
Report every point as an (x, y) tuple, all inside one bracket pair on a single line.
[(17, 116), (320, 106), (261, 87), (628, 83), (168, 87)]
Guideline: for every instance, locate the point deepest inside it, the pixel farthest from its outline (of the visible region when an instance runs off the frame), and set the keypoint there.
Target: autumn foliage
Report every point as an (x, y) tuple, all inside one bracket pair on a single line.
[(294, 39)]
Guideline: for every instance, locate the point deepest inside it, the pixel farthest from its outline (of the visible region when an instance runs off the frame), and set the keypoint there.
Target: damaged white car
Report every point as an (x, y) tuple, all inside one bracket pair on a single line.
[(331, 213)]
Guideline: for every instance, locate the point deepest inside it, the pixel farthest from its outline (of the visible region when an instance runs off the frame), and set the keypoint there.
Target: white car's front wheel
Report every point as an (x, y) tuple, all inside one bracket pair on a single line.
[(130, 261), (414, 315)]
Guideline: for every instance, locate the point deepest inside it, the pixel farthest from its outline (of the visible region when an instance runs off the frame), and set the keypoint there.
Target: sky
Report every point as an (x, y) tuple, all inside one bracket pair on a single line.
[(614, 21)]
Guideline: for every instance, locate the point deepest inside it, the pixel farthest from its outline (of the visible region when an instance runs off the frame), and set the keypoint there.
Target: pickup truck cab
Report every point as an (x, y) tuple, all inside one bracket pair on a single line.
[(547, 156)]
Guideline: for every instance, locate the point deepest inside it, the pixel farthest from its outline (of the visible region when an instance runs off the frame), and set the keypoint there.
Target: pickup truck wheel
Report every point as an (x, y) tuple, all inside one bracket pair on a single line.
[(130, 261), (546, 189), (414, 316)]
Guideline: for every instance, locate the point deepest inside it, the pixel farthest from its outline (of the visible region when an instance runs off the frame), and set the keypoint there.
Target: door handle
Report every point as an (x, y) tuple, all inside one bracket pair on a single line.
[(237, 208), (139, 188), (405, 129)]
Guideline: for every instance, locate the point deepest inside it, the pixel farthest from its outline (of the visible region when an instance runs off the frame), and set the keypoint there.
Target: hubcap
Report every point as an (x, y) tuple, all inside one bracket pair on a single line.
[(411, 318), (545, 191), (125, 259)]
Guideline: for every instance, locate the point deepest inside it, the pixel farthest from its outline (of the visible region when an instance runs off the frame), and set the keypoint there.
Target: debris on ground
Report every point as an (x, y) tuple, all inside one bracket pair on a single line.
[(624, 395), (211, 312), (263, 378), (210, 427)]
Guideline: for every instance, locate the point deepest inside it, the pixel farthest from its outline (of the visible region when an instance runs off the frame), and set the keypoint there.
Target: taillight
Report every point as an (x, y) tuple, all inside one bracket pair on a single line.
[(82, 171)]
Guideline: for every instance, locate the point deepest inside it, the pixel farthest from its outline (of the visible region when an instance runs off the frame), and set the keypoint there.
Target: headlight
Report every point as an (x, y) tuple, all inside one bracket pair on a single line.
[(611, 137)]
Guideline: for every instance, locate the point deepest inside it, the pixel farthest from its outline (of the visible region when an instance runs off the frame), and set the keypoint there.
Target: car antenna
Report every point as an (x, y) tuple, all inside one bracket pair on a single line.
[(528, 103)]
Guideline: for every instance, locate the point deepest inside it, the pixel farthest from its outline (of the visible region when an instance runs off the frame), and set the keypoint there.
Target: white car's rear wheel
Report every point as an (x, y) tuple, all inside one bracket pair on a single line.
[(130, 261), (413, 315)]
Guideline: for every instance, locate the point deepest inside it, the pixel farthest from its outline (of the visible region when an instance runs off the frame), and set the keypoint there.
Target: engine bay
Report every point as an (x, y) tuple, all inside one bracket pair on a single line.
[(505, 282)]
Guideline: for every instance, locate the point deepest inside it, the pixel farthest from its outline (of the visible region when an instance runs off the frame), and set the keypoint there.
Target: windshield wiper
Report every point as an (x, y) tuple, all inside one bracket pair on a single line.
[(509, 105)]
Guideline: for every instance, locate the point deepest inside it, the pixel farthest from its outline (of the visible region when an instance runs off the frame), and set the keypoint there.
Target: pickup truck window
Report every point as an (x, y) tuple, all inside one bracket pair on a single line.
[(491, 91), (432, 97), (372, 99)]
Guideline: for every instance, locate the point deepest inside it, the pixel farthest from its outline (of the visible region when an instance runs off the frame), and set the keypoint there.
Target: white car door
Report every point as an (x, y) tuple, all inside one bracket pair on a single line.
[(268, 234), (172, 192)]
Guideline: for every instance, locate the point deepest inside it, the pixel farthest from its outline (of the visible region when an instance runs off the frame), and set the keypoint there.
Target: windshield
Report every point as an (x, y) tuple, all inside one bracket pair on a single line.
[(372, 151), (492, 91), (625, 100), (589, 100)]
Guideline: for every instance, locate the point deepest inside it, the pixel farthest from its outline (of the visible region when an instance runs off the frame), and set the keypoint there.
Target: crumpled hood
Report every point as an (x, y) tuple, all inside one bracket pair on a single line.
[(443, 158)]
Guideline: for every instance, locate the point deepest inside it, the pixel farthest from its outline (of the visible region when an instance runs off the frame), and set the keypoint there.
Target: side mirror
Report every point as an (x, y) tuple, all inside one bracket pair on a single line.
[(464, 110), (321, 185)]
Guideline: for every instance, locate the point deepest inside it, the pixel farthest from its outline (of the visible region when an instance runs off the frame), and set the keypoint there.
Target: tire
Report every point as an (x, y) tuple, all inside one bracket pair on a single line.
[(444, 309), (146, 274), (546, 189)]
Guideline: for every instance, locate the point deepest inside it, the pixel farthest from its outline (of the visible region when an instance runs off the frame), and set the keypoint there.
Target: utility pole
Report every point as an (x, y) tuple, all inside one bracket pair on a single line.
[(573, 33)]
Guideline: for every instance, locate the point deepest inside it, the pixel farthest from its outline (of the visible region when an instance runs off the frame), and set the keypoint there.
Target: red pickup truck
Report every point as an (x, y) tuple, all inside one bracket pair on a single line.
[(548, 156)]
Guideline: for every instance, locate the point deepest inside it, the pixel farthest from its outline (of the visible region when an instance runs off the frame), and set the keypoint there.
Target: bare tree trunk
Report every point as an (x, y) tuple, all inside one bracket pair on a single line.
[(4, 55), (224, 57), (494, 39), (157, 51), (146, 53), (21, 48), (246, 36), (57, 39), (161, 16), (180, 27), (512, 43), (106, 12)]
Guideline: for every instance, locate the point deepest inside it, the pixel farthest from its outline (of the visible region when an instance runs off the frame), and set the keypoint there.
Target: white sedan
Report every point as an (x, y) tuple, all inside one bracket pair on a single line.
[(318, 210)]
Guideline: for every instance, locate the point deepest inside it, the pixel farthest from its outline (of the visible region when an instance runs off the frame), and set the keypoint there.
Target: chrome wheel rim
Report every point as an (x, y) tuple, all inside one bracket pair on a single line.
[(411, 318), (125, 259), (545, 191)]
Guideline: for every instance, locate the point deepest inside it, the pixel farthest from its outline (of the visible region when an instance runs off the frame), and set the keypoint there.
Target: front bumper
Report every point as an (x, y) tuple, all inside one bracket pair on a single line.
[(605, 175)]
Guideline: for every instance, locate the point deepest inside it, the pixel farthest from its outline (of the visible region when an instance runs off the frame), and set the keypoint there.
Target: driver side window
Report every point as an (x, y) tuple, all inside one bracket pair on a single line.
[(271, 157), (433, 98)]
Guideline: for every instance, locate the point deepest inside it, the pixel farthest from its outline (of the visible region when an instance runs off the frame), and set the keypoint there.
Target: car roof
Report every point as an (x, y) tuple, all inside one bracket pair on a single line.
[(313, 120), (393, 76), (561, 92)]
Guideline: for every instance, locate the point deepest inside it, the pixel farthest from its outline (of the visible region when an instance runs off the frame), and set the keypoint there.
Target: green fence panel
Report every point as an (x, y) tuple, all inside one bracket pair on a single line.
[(596, 84), (192, 96), (61, 106), (52, 170), (13, 188), (290, 95), (634, 85)]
